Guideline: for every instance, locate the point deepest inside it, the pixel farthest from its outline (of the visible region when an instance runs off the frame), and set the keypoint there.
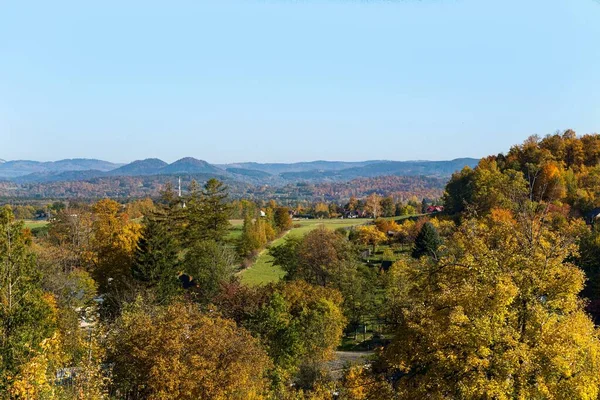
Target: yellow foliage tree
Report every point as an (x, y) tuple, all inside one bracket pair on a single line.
[(177, 352), (36, 378), (374, 205), (114, 242), (497, 317), (370, 236), (359, 383), (386, 225), (321, 210)]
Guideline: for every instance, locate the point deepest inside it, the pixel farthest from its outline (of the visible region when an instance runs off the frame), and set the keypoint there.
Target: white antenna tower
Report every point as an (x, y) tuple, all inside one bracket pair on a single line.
[(179, 192)]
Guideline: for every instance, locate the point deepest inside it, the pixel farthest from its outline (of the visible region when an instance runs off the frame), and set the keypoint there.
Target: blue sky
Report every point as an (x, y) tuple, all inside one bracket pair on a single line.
[(283, 81)]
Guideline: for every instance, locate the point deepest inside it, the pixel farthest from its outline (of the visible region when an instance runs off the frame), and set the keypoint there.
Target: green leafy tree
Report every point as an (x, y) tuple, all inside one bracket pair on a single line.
[(301, 324), (283, 221), (26, 311), (170, 211), (248, 242), (209, 264), (459, 191), (424, 205), (323, 258), (286, 256), (388, 208), (326, 258)]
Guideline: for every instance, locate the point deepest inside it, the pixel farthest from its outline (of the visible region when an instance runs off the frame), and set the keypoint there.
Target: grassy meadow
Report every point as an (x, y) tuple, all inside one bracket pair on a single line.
[(263, 271), (31, 224)]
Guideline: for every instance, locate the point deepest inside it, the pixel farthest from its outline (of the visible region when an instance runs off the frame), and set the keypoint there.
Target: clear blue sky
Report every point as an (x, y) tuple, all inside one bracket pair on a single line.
[(292, 80)]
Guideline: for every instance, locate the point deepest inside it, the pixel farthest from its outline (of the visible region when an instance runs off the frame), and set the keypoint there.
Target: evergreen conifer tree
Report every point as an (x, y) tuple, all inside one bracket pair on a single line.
[(208, 212), (156, 260), (427, 241)]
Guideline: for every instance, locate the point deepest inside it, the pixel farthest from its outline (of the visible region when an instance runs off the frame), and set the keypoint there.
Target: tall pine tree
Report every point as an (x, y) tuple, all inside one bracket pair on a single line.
[(427, 242), (156, 261), (208, 212)]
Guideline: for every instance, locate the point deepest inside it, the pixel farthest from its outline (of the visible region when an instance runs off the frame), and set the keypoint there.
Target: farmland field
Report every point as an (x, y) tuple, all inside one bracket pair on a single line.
[(263, 271)]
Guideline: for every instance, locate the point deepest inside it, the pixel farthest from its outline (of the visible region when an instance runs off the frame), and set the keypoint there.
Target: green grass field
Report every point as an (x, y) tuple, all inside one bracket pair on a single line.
[(236, 222), (263, 271), (236, 229), (35, 224)]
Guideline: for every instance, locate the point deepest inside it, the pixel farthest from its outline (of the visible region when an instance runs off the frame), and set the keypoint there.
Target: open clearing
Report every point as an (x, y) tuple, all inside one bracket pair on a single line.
[(31, 224), (236, 229), (263, 271)]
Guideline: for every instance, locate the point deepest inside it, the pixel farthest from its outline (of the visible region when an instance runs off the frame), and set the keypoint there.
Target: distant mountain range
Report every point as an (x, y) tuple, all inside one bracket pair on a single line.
[(23, 172), (13, 169), (279, 168)]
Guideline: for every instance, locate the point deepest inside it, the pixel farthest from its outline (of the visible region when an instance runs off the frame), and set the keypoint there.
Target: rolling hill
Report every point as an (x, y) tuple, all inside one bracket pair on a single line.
[(273, 174), (252, 173), (385, 168), (279, 168), (17, 168), (189, 165), (149, 166)]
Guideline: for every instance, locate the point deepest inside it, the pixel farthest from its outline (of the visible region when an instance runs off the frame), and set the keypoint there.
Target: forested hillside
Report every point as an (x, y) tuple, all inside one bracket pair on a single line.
[(150, 186), (17, 168), (562, 170)]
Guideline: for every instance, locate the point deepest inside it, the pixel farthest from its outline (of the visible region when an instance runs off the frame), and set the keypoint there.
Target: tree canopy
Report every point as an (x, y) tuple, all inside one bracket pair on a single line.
[(500, 314)]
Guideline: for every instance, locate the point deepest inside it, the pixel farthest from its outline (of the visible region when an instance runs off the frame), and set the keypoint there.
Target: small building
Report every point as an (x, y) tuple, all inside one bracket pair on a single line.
[(434, 209)]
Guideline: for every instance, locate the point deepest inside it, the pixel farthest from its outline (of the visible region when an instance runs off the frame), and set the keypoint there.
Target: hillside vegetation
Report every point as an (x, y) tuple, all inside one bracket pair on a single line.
[(262, 271), (202, 296)]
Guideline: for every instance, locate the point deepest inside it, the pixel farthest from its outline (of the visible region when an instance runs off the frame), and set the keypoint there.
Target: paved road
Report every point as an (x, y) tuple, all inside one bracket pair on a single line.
[(343, 358)]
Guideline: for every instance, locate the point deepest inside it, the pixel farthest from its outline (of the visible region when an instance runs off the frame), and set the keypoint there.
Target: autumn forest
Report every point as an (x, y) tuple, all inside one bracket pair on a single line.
[(480, 285)]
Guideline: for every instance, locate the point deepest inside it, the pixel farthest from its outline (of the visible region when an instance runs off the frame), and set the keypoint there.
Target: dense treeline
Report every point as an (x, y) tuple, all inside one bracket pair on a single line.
[(371, 206), (560, 171), (123, 188), (402, 187)]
